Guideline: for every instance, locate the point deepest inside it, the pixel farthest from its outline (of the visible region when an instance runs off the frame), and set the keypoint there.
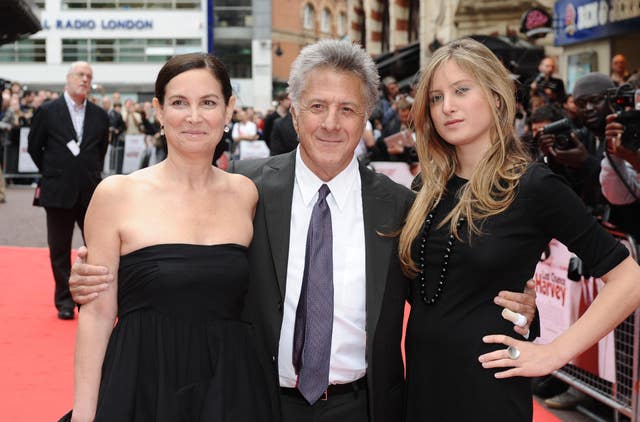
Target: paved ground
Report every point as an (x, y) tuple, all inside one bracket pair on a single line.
[(22, 224)]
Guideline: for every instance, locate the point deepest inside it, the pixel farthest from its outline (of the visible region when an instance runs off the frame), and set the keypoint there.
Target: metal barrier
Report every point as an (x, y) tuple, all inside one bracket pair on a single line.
[(621, 396)]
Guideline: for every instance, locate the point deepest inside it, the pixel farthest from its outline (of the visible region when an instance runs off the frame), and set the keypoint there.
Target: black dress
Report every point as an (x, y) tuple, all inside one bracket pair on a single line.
[(179, 351), (445, 381)]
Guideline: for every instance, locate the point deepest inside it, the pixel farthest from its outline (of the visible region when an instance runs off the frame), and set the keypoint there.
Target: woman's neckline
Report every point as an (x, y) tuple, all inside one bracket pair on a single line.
[(194, 245)]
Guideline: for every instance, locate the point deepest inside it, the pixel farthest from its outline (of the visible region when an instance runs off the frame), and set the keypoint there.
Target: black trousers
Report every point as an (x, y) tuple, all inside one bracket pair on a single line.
[(351, 407), (60, 223)]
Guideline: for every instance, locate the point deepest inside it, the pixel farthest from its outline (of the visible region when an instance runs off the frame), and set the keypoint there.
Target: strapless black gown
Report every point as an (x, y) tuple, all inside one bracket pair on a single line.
[(179, 351)]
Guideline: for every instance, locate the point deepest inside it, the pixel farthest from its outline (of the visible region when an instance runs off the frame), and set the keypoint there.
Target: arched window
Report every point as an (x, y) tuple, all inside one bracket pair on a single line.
[(308, 20), (326, 20), (385, 30), (342, 24), (414, 20)]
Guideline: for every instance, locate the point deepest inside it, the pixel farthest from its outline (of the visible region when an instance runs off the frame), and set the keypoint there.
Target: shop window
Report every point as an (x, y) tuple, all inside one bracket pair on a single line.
[(236, 56), (126, 50), (24, 51)]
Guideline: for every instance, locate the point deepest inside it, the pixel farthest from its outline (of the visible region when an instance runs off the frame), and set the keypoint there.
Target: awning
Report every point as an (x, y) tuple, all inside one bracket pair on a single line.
[(402, 64), (18, 19)]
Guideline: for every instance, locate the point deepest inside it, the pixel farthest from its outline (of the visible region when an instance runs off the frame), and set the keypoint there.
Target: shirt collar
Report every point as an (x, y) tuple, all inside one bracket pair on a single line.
[(71, 104), (340, 186)]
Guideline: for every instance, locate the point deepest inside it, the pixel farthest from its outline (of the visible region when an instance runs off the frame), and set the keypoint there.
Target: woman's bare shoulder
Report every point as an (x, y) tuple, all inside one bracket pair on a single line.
[(122, 187), (241, 185)]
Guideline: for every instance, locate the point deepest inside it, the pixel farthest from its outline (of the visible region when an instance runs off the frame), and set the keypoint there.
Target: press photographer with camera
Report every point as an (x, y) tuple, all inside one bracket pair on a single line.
[(545, 88), (620, 174), (576, 152), (591, 93)]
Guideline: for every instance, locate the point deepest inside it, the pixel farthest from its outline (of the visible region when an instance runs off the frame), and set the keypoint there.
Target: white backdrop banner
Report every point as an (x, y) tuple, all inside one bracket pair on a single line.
[(249, 150), (397, 171), (25, 163), (134, 147)]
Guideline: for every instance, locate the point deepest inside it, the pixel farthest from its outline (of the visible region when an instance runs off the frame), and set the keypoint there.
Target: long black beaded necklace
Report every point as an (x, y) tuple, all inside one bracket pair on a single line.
[(443, 266)]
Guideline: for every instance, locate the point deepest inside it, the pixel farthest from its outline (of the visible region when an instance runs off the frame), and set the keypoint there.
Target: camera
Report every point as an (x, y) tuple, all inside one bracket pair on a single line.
[(562, 131), (630, 138), (4, 84), (623, 97)]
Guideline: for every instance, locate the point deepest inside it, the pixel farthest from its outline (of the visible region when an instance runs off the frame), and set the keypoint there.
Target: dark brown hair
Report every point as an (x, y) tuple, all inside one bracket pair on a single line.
[(184, 62)]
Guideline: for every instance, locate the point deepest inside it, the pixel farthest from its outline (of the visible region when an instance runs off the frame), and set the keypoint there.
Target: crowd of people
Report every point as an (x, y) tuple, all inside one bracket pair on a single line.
[(578, 136), (282, 282)]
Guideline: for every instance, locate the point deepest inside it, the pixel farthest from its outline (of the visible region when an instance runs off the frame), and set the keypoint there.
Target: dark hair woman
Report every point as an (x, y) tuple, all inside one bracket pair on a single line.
[(176, 235)]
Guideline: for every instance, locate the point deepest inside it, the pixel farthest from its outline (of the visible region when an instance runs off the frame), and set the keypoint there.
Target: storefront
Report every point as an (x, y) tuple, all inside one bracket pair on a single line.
[(592, 31)]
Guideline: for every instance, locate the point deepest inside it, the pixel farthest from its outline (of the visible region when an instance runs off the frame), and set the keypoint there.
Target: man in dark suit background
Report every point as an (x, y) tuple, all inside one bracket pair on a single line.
[(68, 141), (283, 136), (333, 88), (282, 109)]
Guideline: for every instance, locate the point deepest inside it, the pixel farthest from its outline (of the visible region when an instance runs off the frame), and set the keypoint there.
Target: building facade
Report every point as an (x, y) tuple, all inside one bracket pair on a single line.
[(591, 32), (297, 23), (127, 41)]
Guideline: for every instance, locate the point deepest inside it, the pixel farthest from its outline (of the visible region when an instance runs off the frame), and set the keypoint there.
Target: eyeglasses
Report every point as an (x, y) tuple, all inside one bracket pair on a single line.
[(593, 100)]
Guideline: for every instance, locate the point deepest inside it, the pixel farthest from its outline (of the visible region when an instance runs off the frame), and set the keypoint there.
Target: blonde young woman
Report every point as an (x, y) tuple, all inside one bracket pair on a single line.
[(478, 226)]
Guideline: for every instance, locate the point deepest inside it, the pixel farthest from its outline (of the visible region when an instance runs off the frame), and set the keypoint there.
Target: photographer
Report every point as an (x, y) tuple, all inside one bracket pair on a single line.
[(576, 153), (545, 88), (620, 174)]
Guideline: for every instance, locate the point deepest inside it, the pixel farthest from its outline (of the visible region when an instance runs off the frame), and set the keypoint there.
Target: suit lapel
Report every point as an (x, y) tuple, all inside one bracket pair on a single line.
[(86, 132), (65, 118), (277, 195), (377, 211)]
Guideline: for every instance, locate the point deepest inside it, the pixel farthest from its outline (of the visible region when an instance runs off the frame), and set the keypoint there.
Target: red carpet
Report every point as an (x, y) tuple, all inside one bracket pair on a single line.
[(36, 348)]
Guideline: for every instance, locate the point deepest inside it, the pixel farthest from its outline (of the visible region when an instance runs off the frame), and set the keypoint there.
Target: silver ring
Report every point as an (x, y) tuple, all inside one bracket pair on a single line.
[(513, 352)]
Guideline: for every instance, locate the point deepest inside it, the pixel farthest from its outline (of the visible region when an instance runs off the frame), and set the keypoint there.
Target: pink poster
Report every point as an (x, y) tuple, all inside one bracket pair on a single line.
[(561, 301)]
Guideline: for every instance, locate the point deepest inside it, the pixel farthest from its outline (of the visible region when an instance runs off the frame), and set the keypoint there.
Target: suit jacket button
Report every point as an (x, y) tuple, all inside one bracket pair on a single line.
[(274, 359), (280, 305)]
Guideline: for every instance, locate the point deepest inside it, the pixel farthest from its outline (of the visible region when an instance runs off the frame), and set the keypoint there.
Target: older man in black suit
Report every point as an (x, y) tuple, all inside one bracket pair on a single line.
[(327, 294), (68, 141)]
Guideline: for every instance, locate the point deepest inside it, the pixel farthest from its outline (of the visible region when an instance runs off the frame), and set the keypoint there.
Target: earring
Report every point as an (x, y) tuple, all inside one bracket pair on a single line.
[(162, 130), (226, 129)]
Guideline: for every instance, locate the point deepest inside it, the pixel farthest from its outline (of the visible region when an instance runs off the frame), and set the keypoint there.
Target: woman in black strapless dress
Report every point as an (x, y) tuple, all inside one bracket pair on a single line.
[(176, 234)]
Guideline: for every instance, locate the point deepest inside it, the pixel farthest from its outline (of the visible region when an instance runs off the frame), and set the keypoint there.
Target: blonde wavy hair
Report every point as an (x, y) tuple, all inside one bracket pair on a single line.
[(492, 186)]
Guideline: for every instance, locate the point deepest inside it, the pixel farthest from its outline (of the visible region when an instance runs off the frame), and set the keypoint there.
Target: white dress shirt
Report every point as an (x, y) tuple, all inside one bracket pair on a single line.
[(77, 115), (348, 361)]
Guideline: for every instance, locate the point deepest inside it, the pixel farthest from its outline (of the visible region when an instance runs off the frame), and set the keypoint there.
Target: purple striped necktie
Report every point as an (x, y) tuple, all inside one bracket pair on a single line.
[(314, 315)]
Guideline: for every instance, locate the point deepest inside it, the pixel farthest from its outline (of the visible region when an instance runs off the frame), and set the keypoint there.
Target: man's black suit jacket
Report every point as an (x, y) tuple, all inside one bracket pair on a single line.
[(283, 136), (385, 205), (68, 179)]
